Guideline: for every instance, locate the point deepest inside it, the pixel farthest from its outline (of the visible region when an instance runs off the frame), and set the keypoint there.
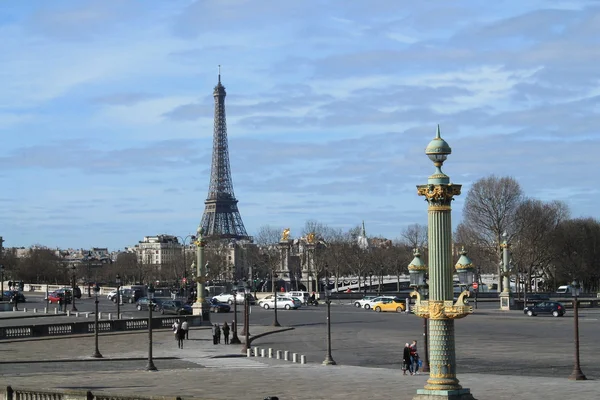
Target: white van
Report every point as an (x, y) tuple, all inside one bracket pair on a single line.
[(564, 289), (302, 296)]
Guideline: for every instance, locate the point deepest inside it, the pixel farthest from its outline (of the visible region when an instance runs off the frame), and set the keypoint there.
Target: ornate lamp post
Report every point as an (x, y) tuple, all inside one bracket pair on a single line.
[(74, 269), (274, 284), (576, 375), (235, 339), (439, 308), (507, 300), (418, 271), (118, 281), (328, 359), (465, 270), (96, 351), (150, 366), (200, 306)]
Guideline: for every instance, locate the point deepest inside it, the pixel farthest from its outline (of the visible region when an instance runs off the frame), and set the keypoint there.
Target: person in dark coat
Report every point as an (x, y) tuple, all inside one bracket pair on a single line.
[(226, 332), (180, 335), (406, 362), (214, 333), (218, 328)]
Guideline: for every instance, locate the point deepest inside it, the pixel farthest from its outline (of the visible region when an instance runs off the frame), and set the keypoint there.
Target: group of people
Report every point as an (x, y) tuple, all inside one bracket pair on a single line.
[(181, 331), (410, 359), (216, 333)]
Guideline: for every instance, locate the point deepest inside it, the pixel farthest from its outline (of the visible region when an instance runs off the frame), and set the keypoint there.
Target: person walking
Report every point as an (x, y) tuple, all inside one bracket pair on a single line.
[(414, 358), (180, 335), (15, 300), (186, 328), (214, 333), (406, 362), (218, 333), (226, 332), (60, 302)]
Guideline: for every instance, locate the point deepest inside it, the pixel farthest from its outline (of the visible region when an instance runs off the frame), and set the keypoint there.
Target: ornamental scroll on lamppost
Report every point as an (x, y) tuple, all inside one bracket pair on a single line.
[(440, 308)]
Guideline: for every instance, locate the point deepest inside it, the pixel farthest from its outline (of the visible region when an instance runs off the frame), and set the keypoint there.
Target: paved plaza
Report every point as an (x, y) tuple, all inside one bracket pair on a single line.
[(499, 356)]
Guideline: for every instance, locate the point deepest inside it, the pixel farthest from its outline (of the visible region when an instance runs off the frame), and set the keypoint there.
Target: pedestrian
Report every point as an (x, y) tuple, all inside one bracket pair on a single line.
[(407, 304), (180, 335), (218, 333), (214, 333), (414, 358), (176, 326), (226, 332), (60, 302), (186, 328), (15, 299), (406, 363)]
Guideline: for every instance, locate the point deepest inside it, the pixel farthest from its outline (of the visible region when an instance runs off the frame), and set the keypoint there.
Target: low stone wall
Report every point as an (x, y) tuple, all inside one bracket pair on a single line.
[(10, 393), (86, 327)]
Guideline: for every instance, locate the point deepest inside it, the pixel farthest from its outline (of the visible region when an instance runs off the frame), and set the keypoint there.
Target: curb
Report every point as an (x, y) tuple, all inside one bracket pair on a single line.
[(90, 358)]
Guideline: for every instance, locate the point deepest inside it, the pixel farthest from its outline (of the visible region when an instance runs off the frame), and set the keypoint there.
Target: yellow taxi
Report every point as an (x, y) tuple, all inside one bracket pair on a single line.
[(395, 305)]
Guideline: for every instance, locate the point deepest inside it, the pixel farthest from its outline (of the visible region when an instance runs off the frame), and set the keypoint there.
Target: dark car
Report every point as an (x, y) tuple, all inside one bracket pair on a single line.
[(8, 295), (176, 307), (143, 302), (545, 307), (218, 307)]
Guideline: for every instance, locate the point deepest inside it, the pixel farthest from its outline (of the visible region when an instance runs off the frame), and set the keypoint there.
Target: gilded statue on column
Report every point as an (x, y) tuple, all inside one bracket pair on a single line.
[(285, 235)]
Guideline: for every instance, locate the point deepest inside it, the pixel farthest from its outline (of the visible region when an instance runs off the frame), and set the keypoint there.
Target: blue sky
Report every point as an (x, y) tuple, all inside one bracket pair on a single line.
[(106, 110)]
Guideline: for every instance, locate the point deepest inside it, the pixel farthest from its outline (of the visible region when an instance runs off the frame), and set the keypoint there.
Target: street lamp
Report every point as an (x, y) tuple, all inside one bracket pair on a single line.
[(246, 322), (2, 282), (465, 270), (274, 284), (439, 308), (150, 366), (576, 375), (73, 308), (235, 339), (96, 351), (328, 359), (199, 307), (417, 270), (184, 280), (118, 281)]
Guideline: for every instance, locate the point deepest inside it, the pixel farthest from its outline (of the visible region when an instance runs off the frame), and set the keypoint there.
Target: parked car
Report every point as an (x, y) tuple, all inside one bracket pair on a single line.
[(127, 295), (142, 304), (218, 307), (370, 303), (545, 307), (395, 305), (176, 307), (8, 294), (70, 290), (282, 302), (361, 303), (303, 296)]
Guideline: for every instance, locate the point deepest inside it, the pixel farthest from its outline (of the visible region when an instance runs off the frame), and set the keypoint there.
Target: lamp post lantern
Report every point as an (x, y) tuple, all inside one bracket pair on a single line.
[(73, 269), (275, 294), (328, 359), (577, 374), (96, 350), (235, 339), (150, 365), (439, 308), (118, 281), (417, 270)]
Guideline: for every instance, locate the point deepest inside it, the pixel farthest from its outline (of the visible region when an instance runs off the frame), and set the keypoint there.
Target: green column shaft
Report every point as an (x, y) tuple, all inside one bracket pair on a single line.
[(201, 273), (442, 358)]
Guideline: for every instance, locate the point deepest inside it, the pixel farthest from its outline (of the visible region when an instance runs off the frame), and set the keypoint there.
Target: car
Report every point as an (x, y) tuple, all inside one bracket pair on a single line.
[(127, 295), (218, 307), (361, 303), (239, 298), (303, 296), (282, 302), (370, 303), (70, 290), (395, 305), (143, 302), (55, 296), (8, 294), (545, 307), (176, 307)]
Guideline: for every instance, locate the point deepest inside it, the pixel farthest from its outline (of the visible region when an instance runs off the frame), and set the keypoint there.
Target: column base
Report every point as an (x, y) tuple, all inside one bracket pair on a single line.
[(201, 309), (460, 394), (507, 301)]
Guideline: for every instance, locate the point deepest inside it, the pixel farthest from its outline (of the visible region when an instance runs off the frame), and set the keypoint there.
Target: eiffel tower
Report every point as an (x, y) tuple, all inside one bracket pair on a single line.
[(221, 218)]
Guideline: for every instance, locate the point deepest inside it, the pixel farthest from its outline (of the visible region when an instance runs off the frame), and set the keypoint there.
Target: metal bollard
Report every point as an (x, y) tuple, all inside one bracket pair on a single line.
[(262, 353), (45, 310), (35, 310), (295, 357), (109, 316), (100, 315), (24, 309), (278, 354), (87, 314), (302, 359), (249, 353), (14, 308), (286, 355), (68, 313), (256, 351), (270, 353), (55, 310)]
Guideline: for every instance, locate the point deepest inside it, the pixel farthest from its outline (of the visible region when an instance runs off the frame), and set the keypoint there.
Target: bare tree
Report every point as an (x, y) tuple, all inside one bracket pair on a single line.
[(489, 211), (267, 235), (415, 236)]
